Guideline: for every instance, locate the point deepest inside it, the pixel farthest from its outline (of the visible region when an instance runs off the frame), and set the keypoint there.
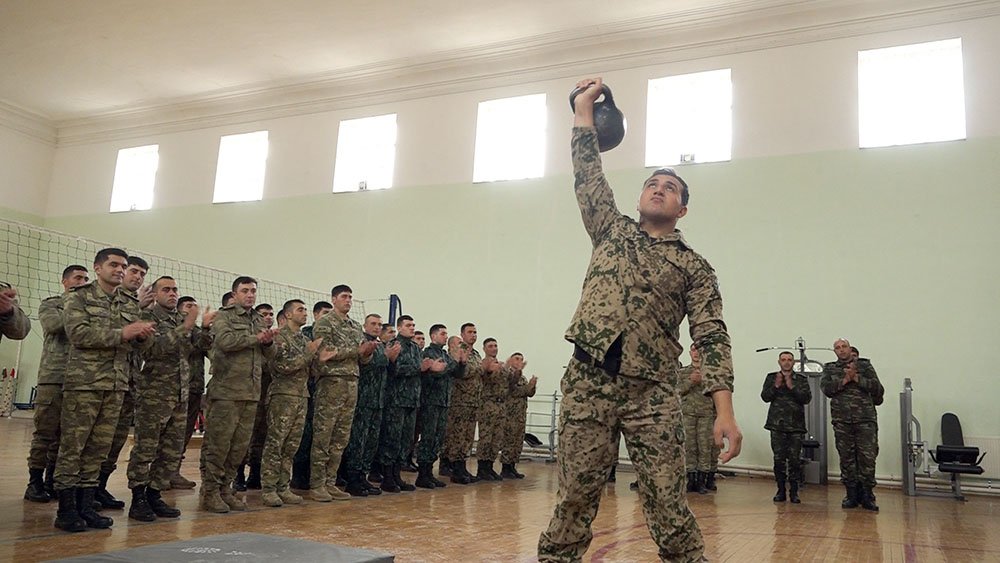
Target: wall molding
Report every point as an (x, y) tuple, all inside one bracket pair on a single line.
[(27, 122), (736, 27)]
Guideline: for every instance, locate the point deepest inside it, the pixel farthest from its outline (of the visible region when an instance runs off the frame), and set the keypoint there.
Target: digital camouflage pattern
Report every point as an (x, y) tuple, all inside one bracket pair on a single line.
[(435, 396), (639, 289), (515, 416), (786, 419), (855, 422), (286, 408)]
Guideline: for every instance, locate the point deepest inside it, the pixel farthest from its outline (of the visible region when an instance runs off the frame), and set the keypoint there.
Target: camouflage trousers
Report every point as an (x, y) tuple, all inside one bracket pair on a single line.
[(787, 449), (227, 436), (363, 443), (699, 443), (193, 408), (857, 445), (286, 415), (300, 463), (490, 430), (398, 424), (460, 431), (433, 419), (45, 439), (122, 427), (513, 427), (87, 426), (648, 413), (336, 398), (159, 440), (259, 433)]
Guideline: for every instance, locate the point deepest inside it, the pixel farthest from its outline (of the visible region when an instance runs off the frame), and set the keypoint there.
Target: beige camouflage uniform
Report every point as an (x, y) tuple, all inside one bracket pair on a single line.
[(495, 389), (286, 408), (97, 374), (515, 416), (699, 420), (637, 291), (460, 430), (336, 396)]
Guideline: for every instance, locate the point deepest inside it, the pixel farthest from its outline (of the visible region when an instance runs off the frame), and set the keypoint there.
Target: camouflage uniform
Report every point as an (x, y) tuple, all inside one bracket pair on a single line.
[(636, 292), (699, 420), (97, 373), (495, 388), (435, 394), (126, 418), (48, 396), (336, 395), (402, 389), (367, 424), (259, 433), (233, 393), (515, 416), (466, 391), (786, 419), (300, 463), (14, 324), (855, 423), (161, 402), (196, 390), (286, 408)]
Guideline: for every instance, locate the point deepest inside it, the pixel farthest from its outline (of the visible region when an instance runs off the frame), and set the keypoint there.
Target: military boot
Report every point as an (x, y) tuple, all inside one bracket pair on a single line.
[(484, 472), (444, 467), (211, 501), (424, 478), (36, 486), (507, 471), (692, 481), (517, 475), (140, 509), (710, 481), (458, 473), (388, 483), (253, 481), (355, 484), (866, 496), (271, 498), (403, 485), (159, 507), (50, 478), (780, 495), (851, 500), (375, 475), (102, 496), (288, 497), (232, 500), (84, 506), (793, 492), (699, 482), (240, 482), (67, 517)]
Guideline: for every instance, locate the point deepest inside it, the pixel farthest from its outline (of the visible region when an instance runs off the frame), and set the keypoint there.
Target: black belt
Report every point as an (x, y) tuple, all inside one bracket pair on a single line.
[(611, 364)]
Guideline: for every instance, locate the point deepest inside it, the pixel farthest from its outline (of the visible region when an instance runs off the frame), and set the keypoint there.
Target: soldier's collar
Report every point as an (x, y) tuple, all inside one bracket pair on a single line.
[(675, 236)]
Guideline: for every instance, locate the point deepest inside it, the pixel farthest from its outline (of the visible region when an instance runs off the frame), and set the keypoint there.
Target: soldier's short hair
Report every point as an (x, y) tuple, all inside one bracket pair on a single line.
[(185, 299), (386, 326), (263, 306), (786, 352), (161, 278), (435, 328), (226, 297), (105, 253), (338, 289), (73, 268), (855, 350), (320, 305), (403, 318), (467, 325), (377, 316), (671, 172), (242, 280), (136, 261), (488, 340), (281, 315), (287, 307), (517, 354)]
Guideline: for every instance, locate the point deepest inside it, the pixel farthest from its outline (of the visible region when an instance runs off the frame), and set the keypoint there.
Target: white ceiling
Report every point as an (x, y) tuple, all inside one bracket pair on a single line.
[(66, 62)]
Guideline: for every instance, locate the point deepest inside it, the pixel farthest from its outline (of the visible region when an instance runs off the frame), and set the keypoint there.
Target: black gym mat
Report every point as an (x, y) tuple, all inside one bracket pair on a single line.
[(241, 547)]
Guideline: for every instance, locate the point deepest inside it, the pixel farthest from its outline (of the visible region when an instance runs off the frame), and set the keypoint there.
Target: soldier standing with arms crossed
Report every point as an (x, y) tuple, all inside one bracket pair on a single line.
[(642, 281), (788, 393)]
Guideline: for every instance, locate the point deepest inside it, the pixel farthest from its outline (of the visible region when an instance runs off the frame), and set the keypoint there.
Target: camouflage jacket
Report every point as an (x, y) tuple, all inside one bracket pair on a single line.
[(55, 347), (343, 335), (291, 366), (640, 288), (307, 331), (403, 384), (466, 390), (496, 386), (694, 401), (520, 390), (166, 373), (854, 402), (98, 359), (371, 381), (15, 324), (202, 339), (237, 358), (435, 389), (787, 412)]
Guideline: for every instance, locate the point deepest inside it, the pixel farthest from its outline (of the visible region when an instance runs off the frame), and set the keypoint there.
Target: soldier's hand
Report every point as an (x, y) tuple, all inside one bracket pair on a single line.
[(437, 366), (265, 336), (138, 330), (392, 351), (426, 364), (367, 348), (726, 427), (145, 294), (533, 380), (325, 355), (696, 376), (208, 317), (7, 299), (314, 345)]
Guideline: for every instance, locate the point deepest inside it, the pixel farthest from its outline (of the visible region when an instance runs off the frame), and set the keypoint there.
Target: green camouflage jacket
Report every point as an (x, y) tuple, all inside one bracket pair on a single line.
[(467, 388), (787, 412), (55, 347), (371, 381), (292, 364), (403, 383), (694, 401), (237, 358), (435, 388), (15, 324), (165, 371), (854, 402), (202, 338), (640, 288), (344, 335)]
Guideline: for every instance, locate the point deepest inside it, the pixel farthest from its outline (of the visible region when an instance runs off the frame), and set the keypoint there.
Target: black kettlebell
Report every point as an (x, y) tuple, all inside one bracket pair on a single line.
[(608, 119)]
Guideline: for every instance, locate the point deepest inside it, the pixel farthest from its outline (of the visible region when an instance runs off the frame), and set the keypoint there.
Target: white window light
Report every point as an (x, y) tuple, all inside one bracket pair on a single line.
[(911, 94), (510, 139), (366, 154), (135, 175), (242, 163), (689, 118)]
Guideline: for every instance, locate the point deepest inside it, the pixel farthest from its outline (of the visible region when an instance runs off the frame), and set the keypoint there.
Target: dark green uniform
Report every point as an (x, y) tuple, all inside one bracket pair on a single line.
[(48, 395), (786, 419), (403, 396), (855, 423), (363, 444), (436, 395)]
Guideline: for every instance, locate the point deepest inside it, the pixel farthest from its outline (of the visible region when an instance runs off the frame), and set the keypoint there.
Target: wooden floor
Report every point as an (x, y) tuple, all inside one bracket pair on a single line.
[(501, 521)]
